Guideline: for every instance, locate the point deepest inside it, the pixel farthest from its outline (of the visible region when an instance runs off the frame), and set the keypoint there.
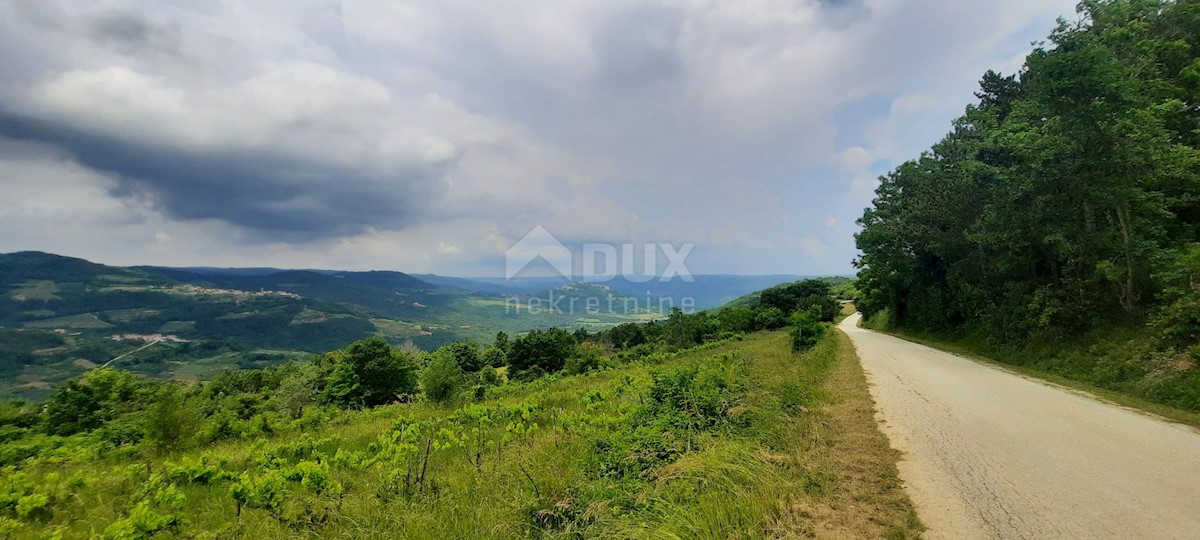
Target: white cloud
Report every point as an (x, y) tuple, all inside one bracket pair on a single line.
[(911, 104), (367, 127), (856, 158)]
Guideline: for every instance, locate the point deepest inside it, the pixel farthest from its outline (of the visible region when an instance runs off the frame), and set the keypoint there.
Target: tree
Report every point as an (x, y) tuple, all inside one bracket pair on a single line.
[(737, 319), (493, 357), (807, 328), (441, 380), (342, 387), (466, 353), (546, 350), (98, 397), (73, 408), (626, 335), (501, 342), (369, 372), (769, 318), (802, 295), (1056, 202), (170, 423), (297, 388)]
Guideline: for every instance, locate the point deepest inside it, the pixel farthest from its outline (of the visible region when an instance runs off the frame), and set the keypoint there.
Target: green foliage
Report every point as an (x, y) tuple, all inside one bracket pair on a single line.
[(156, 511), (802, 295), (1178, 321), (442, 379), (770, 318), (1065, 202), (264, 491), (493, 357), (342, 386), (369, 373), (100, 396), (169, 423), (466, 354), (807, 328), (541, 351), (585, 359), (624, 336), (666, 445), (501, 342)]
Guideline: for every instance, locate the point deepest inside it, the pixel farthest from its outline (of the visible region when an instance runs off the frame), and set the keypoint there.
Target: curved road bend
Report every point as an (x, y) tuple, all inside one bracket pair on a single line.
[(991, 454)]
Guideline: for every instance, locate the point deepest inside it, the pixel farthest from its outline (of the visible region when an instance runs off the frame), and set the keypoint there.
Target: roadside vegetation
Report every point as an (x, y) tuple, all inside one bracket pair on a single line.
[(709, 425), (1057, 227)]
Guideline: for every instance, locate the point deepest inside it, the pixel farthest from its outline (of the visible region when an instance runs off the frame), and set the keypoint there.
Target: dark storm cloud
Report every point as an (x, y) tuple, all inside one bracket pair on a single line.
[(442, 130), (129, 33), (274, 197)]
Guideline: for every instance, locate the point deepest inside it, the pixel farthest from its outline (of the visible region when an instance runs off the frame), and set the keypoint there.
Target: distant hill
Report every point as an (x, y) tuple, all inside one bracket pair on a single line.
[(387, 293), (706, 290), (840, 284), (59, 316)]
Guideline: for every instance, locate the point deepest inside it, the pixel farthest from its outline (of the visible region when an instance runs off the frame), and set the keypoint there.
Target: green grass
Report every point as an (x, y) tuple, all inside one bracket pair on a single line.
[(85, 321), (741, 439), (38, 289)]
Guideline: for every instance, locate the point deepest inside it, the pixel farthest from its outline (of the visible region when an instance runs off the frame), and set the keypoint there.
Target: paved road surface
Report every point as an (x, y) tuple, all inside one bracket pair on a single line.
[(991, 454)]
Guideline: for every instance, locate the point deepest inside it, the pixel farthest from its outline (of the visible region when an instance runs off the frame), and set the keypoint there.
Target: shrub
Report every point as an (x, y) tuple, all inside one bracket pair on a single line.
[(369, 372), (807, 328), (170, 424), (770, 318), (802, 295), (442, 378), (466, 353), (493, 356), (546, 350), (587, 359)]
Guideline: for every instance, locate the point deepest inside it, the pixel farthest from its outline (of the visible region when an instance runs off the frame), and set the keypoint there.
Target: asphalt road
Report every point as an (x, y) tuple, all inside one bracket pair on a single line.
[(991, 454)]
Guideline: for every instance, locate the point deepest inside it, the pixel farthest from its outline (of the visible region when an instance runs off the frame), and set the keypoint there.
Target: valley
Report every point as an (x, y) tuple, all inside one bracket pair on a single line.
[(59, 315)]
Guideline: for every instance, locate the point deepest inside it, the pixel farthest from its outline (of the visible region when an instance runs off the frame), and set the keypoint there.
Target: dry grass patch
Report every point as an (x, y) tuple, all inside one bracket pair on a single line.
[(854, 490)]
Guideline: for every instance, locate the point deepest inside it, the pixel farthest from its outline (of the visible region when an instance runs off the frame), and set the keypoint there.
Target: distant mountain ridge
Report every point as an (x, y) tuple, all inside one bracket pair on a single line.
[(60, 316)]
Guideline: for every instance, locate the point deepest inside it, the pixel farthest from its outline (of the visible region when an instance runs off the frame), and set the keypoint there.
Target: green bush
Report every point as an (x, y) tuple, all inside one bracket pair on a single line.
[(369, 373), (466, 353), (546, 351), (170, 423), (807, 328), (585, 360), (442, 378)]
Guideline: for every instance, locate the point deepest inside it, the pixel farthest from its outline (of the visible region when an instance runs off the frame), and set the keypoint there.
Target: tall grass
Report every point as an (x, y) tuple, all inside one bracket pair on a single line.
[(710, 443)]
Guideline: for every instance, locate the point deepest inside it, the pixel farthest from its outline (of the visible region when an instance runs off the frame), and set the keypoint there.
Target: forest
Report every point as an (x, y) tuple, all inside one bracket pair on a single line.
[(563, 434), (1056, 225)]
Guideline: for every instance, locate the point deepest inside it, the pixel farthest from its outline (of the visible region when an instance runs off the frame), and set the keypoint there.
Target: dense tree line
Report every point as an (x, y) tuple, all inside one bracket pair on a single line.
[(1067, 199)]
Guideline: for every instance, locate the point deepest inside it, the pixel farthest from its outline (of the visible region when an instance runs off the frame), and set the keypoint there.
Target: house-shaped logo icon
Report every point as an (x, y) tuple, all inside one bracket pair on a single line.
[(537, 244)]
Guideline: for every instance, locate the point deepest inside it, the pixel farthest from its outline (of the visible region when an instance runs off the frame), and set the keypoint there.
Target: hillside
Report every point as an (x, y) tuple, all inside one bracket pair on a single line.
[(842, 287), (706, 291), (693, 434), (59, 316)]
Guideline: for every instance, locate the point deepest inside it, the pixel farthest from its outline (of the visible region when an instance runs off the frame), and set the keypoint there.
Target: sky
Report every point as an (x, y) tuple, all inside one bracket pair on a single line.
[(431, 136)]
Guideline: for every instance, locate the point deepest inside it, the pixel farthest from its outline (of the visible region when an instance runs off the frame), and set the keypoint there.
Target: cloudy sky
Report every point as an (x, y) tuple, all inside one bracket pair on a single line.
[(430, 136)]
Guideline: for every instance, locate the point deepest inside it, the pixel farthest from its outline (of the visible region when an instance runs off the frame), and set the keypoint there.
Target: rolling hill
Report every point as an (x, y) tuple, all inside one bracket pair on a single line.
[(61, 316)]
